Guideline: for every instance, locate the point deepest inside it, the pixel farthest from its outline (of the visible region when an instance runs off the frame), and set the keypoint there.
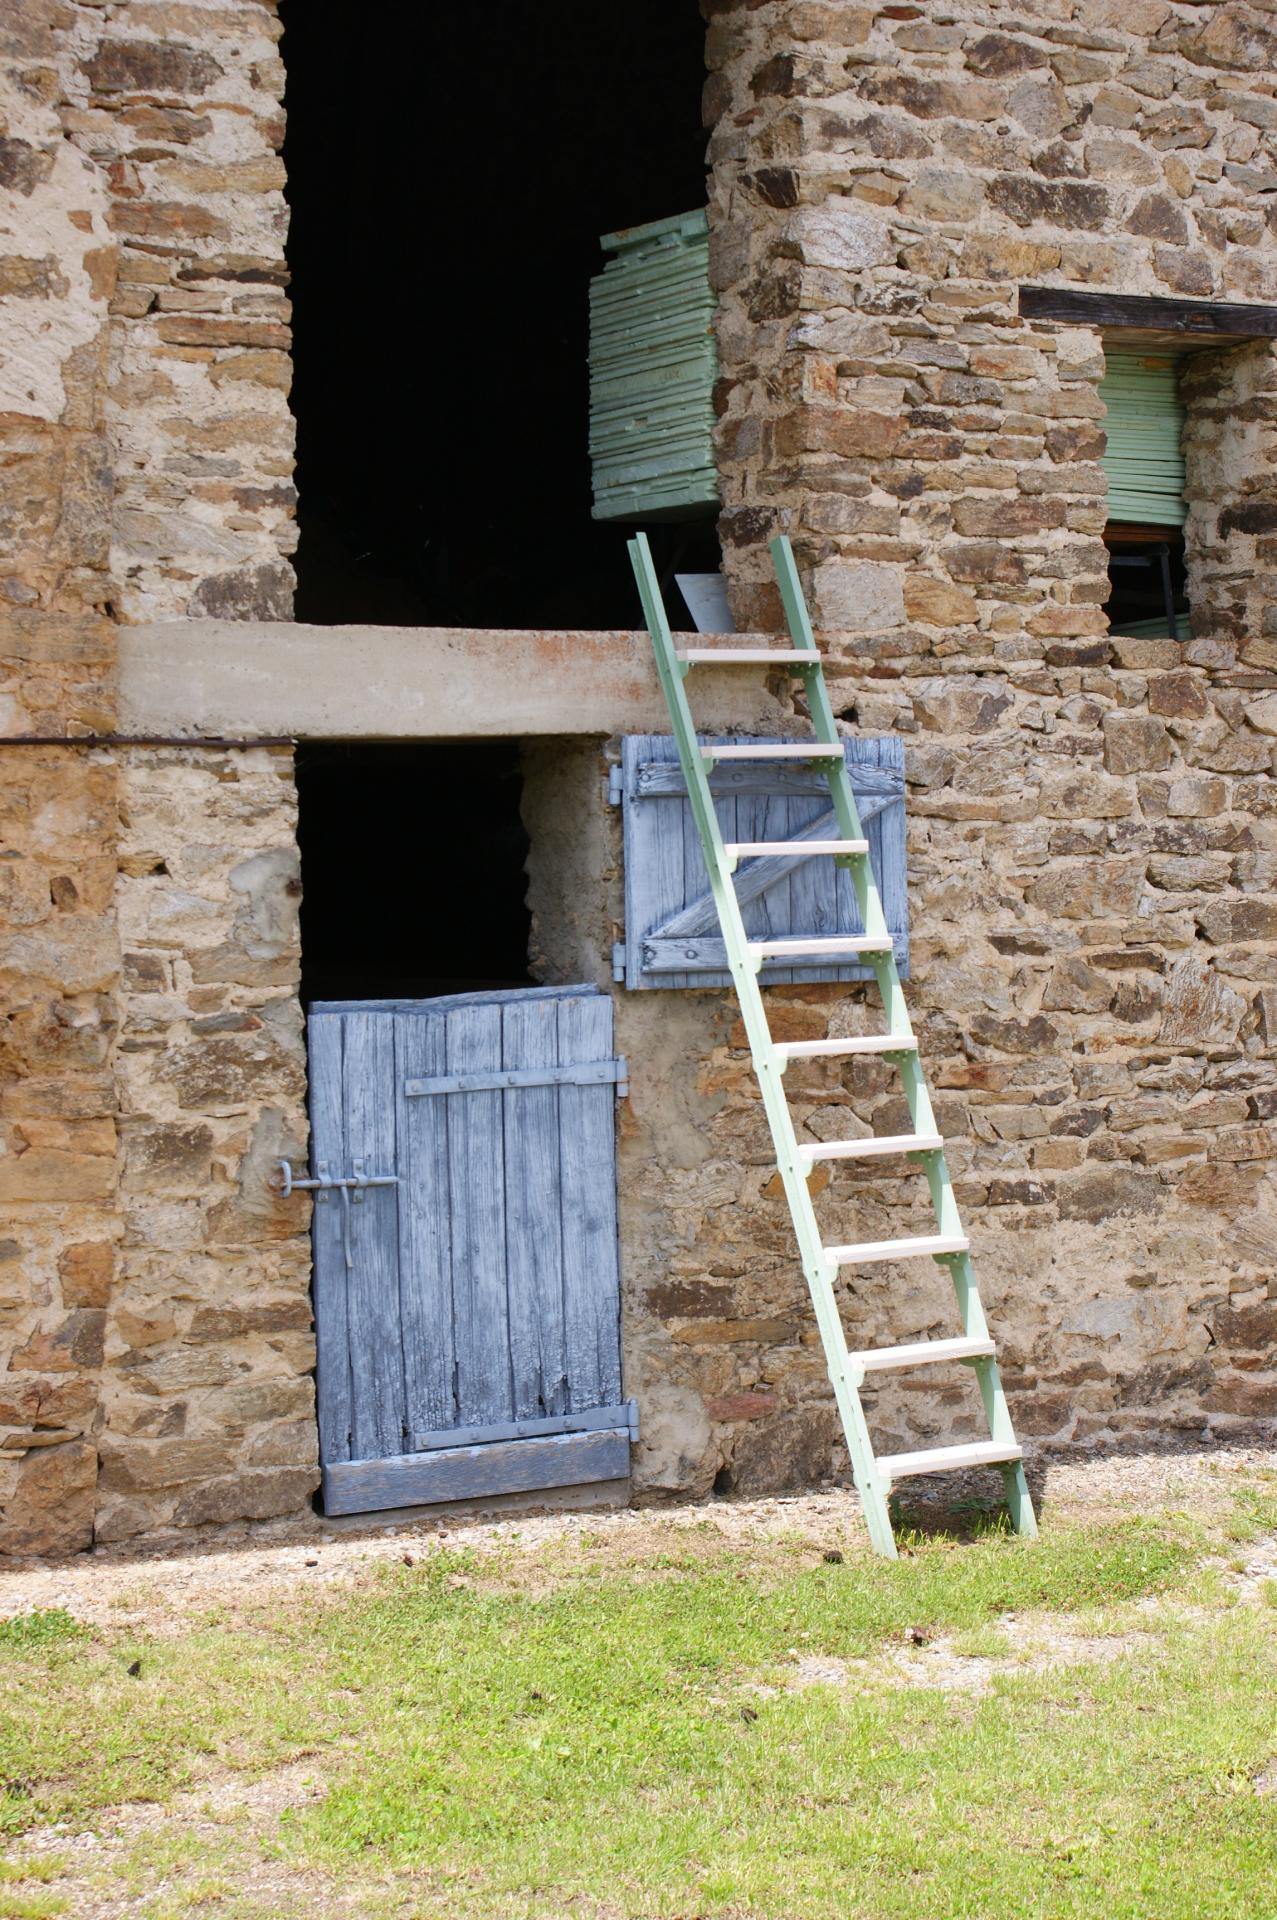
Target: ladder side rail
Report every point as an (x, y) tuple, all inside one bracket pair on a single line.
[(912, 1078), (815, 1265)]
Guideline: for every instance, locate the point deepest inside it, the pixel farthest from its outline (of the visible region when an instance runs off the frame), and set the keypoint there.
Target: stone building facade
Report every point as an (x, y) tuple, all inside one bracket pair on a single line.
[(1092, 834)]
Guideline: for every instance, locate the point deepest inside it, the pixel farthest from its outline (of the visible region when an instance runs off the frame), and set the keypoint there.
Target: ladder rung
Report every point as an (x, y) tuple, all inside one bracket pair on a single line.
[(738, 849), (844, 943), (979, 1453), (932, 1243), (748, 656), (871, 1146), (919, 1353), (857, 1043), (776, 750)]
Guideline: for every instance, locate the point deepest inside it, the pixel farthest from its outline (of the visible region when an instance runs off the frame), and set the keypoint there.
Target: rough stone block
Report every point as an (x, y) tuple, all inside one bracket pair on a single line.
[(86, 1269), (857, 598), (1135, 743), (52, 1505), (841, 234)]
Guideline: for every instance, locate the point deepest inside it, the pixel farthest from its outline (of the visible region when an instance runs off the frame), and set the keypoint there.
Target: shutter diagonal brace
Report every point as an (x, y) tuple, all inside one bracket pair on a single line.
[(753, 877)]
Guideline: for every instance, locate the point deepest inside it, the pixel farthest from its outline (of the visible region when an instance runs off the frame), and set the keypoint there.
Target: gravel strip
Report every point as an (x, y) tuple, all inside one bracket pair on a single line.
[(153, 1587)]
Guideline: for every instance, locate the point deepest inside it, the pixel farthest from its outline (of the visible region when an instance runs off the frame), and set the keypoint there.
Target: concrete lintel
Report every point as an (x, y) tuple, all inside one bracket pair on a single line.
[(247, 678)]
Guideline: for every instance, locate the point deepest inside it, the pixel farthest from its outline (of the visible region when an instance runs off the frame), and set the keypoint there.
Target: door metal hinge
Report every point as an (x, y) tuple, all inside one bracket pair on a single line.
[(618, 960), (615, 786)]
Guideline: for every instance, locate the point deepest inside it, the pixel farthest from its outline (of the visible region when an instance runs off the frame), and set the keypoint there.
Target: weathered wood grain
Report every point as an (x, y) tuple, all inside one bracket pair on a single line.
[(425, 1229), (476, 1193), (327, 1148), (378, 1423), (469, 1473), (533, 1202), (587, 1145)]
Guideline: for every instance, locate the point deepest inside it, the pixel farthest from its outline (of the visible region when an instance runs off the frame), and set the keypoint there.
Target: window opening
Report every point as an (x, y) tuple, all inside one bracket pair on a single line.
[(412, 866), (1144, 462), (450, 173)]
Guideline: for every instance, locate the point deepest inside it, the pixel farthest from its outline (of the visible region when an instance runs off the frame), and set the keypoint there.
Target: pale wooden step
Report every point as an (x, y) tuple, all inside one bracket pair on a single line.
[(775, 750), (795, 849), (844, 943), (910, 1249), (978, 1453), (871, 1146), (748, 656), (786, 1050), (919, 1353)]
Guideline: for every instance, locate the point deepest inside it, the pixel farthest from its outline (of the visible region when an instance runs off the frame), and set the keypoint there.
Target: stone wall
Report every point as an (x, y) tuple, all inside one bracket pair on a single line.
[(59, 960), (1091, 819), (1092, 838), (145, 467)]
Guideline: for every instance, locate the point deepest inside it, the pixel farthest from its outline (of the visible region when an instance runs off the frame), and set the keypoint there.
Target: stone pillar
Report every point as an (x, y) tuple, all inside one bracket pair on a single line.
[(1230, 456), (59, 960), (209, 1403), (147, 469), (1091, 837), (182, 109)]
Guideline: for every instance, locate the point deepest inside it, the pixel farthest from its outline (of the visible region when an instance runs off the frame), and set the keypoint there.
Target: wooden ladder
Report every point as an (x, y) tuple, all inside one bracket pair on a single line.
[(948, 1246)]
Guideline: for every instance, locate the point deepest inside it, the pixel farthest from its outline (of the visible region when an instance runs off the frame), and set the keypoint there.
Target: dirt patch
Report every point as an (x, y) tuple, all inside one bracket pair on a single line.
[(1259, 1573), (131, 1855), (939, 1664), (1027, 1644)]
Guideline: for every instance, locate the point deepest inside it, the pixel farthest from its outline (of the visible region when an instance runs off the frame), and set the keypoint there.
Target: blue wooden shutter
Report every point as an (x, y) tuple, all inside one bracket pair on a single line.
[(468, 1317), (671, 929)]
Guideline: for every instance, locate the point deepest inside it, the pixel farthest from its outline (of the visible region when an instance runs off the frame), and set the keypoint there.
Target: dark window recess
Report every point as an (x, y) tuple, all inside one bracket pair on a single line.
[(450, 172), (1147, 587), (412, 864)]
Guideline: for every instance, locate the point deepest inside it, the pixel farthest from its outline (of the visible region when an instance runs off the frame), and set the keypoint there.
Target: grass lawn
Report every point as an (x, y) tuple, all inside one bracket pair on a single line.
[(672, 1721)]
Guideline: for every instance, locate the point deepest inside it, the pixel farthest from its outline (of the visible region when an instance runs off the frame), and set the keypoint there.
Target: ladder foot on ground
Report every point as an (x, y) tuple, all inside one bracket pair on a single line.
[(875, 1474)]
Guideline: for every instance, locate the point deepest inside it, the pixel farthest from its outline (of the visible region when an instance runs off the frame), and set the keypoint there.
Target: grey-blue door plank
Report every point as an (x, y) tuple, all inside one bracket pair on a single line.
[(669, 879), (375, 1319), (534, 1244), (327, 1157), (476, 1192), (470, 1473), (587, 1135), (425, 1231)]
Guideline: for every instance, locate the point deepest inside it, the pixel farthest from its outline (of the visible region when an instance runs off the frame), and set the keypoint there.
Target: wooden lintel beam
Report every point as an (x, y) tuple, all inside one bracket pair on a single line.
[(1149, 313)]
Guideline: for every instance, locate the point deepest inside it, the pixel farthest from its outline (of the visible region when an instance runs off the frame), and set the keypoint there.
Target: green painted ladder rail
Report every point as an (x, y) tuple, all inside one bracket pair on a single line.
[(874, 1473)]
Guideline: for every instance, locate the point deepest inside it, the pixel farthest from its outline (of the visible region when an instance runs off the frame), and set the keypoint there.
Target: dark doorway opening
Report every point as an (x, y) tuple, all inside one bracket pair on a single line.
[(412, 863), (450, 172)]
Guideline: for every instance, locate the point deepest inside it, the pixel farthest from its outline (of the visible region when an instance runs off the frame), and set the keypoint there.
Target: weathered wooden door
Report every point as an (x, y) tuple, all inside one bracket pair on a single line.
[(467, 1303)]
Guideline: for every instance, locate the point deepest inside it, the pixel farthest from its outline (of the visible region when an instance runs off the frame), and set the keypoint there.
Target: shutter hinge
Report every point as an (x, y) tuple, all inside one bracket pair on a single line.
[(615, 786), (622, 1077), (618, 960)]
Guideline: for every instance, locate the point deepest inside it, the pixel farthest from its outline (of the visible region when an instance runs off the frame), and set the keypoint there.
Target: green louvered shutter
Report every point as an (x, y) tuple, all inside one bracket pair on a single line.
[(653, 364), (1143, 461)]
